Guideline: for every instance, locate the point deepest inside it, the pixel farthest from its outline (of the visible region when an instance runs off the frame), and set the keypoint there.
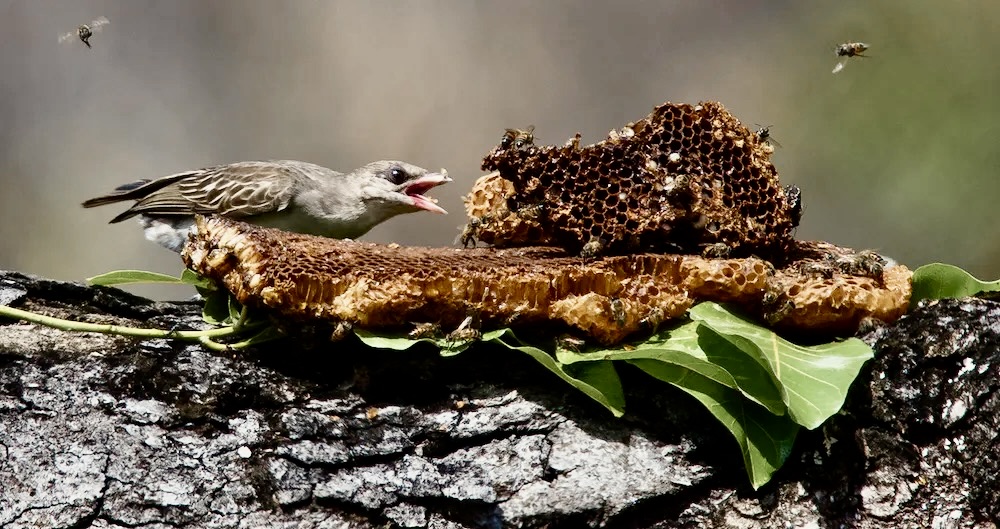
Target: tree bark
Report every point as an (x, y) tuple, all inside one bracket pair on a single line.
[(103, 431)]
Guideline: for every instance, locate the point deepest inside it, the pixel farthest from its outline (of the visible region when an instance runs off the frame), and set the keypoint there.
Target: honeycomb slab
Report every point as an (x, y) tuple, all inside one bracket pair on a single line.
[(684, 179), (607, 299)]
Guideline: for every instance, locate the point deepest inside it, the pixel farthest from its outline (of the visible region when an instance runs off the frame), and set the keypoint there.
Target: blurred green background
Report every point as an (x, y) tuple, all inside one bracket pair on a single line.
[(898, 152)]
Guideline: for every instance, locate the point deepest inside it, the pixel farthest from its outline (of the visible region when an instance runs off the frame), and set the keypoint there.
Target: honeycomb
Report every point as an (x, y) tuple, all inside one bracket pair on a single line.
[(490, 219), (379, 286), (835, 288), (684, 179)]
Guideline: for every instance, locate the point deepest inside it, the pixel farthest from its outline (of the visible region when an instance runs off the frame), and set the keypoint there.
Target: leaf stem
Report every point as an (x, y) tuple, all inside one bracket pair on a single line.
[(138, 332)]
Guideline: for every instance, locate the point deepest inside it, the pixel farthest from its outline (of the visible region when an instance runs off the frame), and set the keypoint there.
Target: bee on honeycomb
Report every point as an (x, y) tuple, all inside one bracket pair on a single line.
[(686, 178)]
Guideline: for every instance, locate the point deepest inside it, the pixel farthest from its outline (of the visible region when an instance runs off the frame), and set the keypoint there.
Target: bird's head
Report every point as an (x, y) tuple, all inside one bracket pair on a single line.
[(400, 187)]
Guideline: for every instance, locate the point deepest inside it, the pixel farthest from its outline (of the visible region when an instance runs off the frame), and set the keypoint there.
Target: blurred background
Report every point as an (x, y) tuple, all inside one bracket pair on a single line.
[(898, 152)]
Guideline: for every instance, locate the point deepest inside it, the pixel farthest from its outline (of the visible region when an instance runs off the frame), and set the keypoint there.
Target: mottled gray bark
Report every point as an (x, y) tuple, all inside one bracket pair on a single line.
[(101, 431)]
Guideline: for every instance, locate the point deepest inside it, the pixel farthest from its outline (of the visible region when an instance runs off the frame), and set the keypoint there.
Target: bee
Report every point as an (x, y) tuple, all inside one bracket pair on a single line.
[(775, 303), (619, 312), (593, 249), (467, 331), (652, 319), (816, 269), (532, 212), (424, 330), (469, 234), (718, 250), (868, 324), (574, 142), (847, 50), (793, 200), (763, 134), (570, 343), (778, 310), (518, 138), (866, 263), (341, 330), (85, 31)]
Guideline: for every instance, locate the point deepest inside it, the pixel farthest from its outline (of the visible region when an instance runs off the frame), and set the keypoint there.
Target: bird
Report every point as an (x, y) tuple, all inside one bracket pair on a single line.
[(287, 194)]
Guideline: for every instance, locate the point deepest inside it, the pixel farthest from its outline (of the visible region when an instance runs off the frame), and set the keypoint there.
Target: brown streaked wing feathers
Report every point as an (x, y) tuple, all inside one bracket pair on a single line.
[(236, 190)]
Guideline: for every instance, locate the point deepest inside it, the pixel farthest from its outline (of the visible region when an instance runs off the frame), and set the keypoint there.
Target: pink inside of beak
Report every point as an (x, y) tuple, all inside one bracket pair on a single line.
[(416, 189)]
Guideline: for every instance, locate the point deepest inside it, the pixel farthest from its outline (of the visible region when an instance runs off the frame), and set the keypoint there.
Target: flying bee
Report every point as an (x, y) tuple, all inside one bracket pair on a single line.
[(847, 50), (518, 138), (85, 31), (763, 134)]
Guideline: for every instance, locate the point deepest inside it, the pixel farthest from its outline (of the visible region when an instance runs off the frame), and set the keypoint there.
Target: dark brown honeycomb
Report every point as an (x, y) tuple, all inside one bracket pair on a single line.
[(685, 179), (378, 286)]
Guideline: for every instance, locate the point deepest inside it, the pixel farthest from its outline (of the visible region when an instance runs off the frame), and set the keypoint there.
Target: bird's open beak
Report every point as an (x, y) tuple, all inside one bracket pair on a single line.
[(415, 189)]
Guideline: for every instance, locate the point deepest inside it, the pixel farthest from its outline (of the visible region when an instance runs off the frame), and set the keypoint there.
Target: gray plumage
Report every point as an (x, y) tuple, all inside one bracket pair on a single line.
[(286, 194)]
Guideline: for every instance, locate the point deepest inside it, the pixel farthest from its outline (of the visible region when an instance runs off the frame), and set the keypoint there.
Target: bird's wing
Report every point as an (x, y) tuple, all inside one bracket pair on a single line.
[(235, 190), (66, 36)]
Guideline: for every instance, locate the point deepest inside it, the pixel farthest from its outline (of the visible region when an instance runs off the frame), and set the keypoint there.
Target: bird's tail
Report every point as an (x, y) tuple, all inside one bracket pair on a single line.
[(130, 191)]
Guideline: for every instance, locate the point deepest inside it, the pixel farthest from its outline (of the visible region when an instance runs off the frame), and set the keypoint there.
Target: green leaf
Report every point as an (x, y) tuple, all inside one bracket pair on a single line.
[(765, 439), (234, 308), (216, 308), (388, 341), (938, 280), (698, 349), (190, 277), (813, 380), (597, 379), (268, 334), (400, 342), (126, 277)]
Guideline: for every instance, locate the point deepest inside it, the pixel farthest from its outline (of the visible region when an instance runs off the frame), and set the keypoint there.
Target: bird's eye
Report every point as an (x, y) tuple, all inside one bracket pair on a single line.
[(397, 175)]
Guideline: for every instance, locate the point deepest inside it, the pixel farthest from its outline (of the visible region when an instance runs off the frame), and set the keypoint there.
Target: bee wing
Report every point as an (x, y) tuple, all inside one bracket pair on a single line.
[(774, 142), (95, 26), (840, 65), (66, 36)]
